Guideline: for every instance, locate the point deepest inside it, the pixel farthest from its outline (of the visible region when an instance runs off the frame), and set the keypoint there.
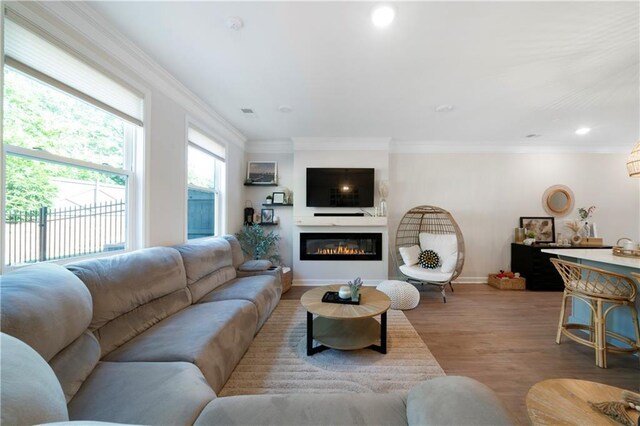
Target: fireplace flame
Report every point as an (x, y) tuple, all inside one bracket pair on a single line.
[(340, 250)]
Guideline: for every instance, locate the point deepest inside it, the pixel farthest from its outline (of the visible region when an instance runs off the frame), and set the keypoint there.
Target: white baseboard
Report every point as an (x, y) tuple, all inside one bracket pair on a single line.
[(373, 283), (310, 283)]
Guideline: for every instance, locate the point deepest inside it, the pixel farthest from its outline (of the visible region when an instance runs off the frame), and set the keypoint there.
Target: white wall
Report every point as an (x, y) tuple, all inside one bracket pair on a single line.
[(487, 193)]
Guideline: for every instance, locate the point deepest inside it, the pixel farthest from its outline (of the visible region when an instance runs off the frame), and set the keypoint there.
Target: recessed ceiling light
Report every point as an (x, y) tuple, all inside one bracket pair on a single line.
[(235, 23), (444, 108), (583, 131), (285, 108), (382, 16)]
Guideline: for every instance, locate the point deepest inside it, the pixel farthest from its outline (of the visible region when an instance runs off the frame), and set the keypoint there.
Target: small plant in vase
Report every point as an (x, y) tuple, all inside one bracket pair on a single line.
[(269, 199), (258, 245), (355, 286)]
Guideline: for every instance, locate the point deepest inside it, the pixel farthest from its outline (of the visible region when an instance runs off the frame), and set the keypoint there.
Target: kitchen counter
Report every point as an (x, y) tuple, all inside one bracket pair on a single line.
[(596, 255)]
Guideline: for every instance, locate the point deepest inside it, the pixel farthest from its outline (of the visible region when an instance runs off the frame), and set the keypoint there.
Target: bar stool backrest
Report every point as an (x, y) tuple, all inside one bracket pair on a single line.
[(595, 282)]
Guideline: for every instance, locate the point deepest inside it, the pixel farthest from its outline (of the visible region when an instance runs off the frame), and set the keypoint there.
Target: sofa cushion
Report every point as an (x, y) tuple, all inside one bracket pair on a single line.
[(430, 275), (446, 245), (310, 409), (455, 400), (167, 393), (29, 390), (213, 336), (263, 291), (73, 364), (255, 265), (132, 291), (236, 250), (208, 263), (45, 306)]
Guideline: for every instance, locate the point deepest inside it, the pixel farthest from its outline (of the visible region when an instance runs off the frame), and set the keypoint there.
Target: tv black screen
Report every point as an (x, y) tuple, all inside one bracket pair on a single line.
[(340, 187)]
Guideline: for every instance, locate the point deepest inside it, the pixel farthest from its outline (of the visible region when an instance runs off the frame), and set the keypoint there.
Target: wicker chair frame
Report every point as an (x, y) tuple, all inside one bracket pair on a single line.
[(602, 291), (434, 220)]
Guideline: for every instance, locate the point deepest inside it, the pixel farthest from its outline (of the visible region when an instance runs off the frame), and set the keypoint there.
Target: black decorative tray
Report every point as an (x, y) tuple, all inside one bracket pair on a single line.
[(333, 297)]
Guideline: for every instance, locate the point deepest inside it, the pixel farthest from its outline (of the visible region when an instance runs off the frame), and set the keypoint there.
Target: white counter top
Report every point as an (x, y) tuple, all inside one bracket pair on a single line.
[(596, 255)]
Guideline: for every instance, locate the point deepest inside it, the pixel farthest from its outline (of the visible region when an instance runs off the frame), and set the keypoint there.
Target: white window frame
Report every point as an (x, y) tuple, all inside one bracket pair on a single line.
[(219, 191), (136, 156)]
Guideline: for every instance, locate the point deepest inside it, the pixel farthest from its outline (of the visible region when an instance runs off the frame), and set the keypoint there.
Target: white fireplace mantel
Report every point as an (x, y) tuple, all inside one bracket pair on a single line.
[(340, 221)]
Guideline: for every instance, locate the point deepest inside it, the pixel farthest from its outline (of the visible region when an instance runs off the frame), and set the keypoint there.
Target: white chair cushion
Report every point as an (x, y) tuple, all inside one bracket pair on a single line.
[(430, 275), (410, 255), (403, 295), (449, 263), (446, 245)]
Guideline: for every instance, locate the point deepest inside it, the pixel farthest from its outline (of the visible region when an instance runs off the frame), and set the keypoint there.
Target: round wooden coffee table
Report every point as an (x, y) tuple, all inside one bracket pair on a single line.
[(346, 327), (565, 402)]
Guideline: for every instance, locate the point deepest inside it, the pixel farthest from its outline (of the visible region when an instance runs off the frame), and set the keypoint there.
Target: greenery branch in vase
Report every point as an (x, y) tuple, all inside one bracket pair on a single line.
[(258, 245), (355, 286), (585, 214)]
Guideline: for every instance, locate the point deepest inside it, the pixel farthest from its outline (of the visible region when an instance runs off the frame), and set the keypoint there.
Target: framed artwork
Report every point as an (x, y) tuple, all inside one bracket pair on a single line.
[(278, 197), (266, 216), (543, 227), (262, 172)]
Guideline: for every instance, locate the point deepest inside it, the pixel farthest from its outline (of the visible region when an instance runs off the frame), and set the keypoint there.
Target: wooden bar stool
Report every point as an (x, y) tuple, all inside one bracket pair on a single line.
[(602, 291)]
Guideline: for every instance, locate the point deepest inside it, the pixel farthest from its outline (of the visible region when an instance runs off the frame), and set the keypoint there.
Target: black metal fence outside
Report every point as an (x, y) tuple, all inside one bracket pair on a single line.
[(49, 234)]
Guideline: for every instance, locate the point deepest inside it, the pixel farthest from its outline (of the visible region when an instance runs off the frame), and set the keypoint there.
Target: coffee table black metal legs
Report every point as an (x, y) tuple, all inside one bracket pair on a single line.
[(310, 348), (382, 347), (344, 341)]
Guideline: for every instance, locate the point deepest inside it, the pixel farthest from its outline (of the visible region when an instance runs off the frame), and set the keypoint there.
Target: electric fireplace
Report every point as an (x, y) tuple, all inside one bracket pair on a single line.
[(340, 246)]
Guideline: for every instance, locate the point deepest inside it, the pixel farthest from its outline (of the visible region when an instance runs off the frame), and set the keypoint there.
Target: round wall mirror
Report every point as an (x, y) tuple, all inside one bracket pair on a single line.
[(558, 200)]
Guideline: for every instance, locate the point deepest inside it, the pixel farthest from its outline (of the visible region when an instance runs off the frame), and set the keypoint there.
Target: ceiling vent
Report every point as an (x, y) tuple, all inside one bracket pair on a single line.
[(246, 110)]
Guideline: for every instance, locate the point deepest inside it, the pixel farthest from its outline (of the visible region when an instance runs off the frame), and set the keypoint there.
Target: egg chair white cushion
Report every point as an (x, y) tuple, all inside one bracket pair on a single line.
[(422, 274), (446, 245), (410, 255)]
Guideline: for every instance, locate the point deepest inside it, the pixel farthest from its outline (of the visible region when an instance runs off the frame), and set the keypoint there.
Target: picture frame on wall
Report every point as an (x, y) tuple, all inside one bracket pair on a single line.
[(278, 197), (262, 172), (266, 216), (543, 227)]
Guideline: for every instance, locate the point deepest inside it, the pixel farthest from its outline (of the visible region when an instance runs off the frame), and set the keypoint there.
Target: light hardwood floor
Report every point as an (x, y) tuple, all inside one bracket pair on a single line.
[(506, 340)]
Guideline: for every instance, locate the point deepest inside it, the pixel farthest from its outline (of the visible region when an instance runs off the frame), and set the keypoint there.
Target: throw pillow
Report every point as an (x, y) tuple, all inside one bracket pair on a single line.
[(410, 254), (429, 259), (255, 265)]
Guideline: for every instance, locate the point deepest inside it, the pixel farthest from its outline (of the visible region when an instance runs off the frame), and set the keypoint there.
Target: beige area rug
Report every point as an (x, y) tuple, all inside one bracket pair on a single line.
[(277, 362)]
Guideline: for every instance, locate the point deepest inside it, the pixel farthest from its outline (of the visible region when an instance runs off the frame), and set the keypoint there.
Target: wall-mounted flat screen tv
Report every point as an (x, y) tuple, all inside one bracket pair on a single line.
[(340, 187)]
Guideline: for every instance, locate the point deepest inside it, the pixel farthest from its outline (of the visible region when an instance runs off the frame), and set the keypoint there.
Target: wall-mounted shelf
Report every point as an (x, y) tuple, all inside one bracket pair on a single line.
[(340, 221), (277, 205), (260, 184)]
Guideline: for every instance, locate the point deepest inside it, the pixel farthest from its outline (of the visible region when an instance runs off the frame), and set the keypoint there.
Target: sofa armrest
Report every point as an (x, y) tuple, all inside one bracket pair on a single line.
[(455, 400)]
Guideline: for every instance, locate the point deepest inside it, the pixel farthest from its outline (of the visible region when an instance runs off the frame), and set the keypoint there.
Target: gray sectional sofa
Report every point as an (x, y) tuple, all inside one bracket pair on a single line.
[(150, 337)]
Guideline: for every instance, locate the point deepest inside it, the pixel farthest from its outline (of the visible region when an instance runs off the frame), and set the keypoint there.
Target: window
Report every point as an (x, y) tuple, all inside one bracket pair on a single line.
[(205, 167), (69, 136)]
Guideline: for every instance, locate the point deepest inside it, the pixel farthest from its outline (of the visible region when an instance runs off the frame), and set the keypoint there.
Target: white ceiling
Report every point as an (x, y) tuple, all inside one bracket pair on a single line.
[(509, 68)]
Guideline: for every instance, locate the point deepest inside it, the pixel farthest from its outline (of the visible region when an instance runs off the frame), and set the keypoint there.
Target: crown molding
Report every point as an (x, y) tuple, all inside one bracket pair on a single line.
[(442, 147), (121, 52), (341, 144), (283, 146)]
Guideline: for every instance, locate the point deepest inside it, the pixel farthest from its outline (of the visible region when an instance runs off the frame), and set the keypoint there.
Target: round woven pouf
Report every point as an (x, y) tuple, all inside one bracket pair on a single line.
[(403, 295)]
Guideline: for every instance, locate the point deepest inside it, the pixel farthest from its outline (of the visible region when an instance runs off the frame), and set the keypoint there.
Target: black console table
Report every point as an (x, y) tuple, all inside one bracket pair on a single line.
[(536, 266)]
